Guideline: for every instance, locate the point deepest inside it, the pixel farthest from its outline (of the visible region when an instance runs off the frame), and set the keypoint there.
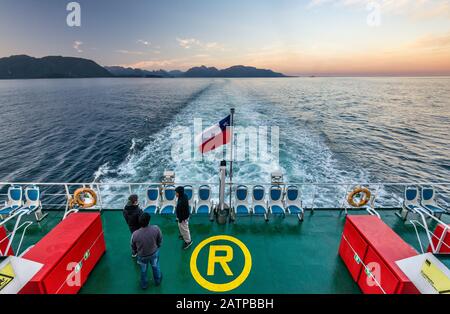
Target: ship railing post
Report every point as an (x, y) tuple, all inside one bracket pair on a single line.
[(66, 187), (222, 182), (442, 238), (100, 201), (421, 212), (26, 224), (314, 198), (232, 110), (20, 214), (343, 205)]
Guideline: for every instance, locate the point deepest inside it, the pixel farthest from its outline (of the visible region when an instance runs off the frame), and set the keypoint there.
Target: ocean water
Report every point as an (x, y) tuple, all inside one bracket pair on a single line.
[(331, 130)]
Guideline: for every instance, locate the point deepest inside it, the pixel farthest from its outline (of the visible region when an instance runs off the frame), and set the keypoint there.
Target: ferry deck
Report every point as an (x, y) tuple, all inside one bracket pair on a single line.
[(288, 256)]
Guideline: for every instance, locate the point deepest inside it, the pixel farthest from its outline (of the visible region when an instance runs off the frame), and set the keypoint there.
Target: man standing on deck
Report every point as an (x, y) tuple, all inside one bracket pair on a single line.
[(145, 243), (132, 212), (182, 211)]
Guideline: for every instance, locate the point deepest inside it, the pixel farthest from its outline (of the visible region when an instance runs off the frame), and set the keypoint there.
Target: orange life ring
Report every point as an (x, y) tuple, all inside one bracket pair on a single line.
[(363, 201), (79, 198)]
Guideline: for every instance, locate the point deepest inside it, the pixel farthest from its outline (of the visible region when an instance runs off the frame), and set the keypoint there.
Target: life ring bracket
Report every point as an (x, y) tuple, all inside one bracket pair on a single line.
[(80, 197), (364, 200)]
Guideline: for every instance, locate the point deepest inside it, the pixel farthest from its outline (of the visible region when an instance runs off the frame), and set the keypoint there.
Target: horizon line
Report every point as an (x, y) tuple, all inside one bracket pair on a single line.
[(309, 74)]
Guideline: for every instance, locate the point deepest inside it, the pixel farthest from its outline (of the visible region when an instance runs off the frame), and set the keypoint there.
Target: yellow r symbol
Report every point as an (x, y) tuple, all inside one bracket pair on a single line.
[(223, 260)]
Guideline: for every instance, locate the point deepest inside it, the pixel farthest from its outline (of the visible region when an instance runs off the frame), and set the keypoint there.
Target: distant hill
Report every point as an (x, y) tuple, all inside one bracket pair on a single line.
[(202, 71), (130, 72), (26, 67), (244, 71)]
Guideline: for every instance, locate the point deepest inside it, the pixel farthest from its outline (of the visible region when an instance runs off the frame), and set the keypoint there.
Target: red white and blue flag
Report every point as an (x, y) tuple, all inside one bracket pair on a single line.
[(215, 136)]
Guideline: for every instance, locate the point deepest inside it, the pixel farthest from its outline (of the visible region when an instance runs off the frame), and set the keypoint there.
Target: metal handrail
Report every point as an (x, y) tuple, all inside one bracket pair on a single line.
[(26, 225), (422, 214), (313, 194), (415, 223), (216, 183)]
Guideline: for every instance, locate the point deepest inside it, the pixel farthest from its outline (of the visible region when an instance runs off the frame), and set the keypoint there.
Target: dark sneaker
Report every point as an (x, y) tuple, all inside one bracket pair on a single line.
[(159, 281), (186, 245), (133, 255)]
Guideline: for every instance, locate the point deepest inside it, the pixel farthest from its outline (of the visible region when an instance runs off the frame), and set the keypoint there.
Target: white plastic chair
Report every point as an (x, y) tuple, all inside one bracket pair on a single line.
[(259, 203), (293, 203), (276, 206), (14, 201), (241, 207), (153, 200), (429, 203), (169, 201)]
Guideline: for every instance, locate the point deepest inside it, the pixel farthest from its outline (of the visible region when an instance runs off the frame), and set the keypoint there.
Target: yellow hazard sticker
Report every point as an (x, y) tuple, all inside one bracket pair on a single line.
[(6, 275)]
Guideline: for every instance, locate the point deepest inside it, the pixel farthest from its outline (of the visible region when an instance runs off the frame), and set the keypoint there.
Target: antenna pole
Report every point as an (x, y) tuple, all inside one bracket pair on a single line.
[(231, 152)]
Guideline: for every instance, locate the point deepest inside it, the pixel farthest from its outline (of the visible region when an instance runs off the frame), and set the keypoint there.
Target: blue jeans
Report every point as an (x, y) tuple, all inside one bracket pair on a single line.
[(153, 260)]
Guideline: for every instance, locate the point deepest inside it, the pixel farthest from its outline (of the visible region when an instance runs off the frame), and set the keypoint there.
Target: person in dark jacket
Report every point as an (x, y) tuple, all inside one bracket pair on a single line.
[(132, 212), (145, 243), (182, 211)]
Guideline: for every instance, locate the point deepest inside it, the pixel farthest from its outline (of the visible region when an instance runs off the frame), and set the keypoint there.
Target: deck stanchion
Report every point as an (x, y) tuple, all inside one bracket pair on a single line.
[(99, 197), (314, 197), (231, 152)]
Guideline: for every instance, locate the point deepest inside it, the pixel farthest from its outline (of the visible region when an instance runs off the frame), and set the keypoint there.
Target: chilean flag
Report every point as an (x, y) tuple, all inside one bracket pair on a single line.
[(215, 136)]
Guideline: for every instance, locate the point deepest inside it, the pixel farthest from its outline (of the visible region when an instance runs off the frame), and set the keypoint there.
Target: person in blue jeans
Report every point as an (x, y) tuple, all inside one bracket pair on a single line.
[(145, 243)]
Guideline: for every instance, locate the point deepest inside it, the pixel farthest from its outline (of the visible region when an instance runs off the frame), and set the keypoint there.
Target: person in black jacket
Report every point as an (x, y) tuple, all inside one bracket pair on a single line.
[(131, 213), (182, 211)]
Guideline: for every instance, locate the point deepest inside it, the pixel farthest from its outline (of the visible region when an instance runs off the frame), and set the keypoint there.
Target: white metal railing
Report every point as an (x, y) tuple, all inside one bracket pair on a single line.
[(113, 195), (17, 226), (424, 216)]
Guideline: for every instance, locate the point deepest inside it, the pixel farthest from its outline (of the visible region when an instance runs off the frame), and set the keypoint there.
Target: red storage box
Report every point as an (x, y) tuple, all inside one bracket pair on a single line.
[(4, 241), (438, 233), (69, 252), (383, 248), (353, 248), (381, 272)]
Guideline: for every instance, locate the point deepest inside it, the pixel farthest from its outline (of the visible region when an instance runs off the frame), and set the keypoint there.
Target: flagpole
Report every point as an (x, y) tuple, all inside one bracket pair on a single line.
[(231, 151)]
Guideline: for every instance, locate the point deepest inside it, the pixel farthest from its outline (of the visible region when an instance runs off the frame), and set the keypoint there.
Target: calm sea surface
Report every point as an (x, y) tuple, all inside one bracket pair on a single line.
[(331, 129)]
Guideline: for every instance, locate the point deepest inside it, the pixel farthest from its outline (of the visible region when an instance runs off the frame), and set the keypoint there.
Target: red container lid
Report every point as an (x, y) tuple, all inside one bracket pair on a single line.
[(53, 247), (384, 241)]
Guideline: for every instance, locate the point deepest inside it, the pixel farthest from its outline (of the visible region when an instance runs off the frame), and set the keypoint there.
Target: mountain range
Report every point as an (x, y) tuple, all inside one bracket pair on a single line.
[(26, 67), (202, 71)]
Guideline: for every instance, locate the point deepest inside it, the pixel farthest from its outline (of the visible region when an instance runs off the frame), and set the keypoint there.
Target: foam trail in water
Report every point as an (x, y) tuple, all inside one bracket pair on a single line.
[(304, 155)]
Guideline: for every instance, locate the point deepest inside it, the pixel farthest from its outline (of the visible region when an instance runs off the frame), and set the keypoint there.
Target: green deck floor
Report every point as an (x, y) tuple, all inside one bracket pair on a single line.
[(288, 256)]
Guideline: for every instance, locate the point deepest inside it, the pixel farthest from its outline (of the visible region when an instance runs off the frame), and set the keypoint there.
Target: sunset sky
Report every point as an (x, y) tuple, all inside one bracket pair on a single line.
[(296, 37)]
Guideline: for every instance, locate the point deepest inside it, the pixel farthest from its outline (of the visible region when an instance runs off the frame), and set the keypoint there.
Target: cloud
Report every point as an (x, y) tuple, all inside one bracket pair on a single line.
[(433, 41), (315, 3), (129, 52), (77, 46), (417, 9), (188, 43), (144, 42), (151, 64), (440, 9), (178, 63)]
